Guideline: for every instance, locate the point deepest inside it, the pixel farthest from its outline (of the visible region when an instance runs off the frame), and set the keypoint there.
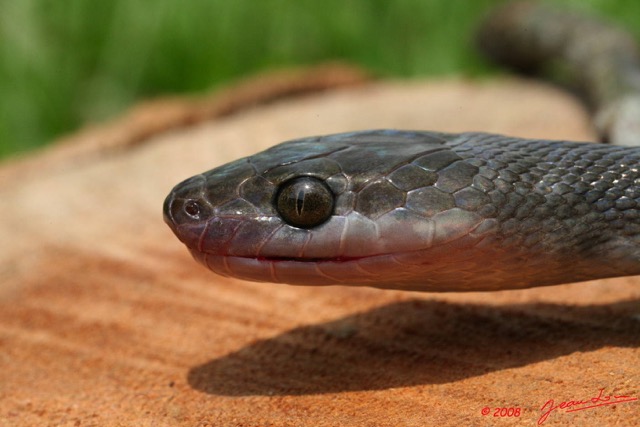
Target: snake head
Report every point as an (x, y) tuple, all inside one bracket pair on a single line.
[(354, 208), (416, 210)]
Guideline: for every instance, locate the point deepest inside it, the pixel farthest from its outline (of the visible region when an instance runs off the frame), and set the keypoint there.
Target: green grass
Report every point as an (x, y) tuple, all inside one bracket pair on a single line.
[(67, 63)]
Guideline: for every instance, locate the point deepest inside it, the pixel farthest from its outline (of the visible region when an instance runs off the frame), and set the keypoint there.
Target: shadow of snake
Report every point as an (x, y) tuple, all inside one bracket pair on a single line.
[(416, 342)]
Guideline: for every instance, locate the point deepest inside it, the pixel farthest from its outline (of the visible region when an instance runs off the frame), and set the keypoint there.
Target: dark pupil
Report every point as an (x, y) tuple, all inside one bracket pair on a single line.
[(304, 202), (192, 209), (300, 202)]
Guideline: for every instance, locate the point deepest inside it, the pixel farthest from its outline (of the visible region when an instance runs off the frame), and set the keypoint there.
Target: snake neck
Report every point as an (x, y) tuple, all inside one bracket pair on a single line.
[(579, 203)]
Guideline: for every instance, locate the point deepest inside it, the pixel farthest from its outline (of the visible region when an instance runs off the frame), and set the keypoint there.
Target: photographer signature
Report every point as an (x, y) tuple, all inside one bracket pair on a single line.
[(579, 405)]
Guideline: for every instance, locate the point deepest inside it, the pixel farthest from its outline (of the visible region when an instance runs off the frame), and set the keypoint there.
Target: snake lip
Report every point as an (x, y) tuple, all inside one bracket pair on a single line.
[(334, 271)]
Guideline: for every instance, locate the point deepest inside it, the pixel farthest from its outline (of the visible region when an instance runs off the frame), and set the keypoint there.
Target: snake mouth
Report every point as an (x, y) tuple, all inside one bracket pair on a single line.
[(294, 271), (313, 260)]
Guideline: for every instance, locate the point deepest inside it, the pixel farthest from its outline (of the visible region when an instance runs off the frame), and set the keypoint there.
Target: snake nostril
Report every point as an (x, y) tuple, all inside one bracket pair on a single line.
[(192, 209)]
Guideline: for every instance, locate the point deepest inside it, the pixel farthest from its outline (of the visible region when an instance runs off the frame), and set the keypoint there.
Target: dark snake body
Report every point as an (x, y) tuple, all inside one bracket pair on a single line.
[(417, 210)]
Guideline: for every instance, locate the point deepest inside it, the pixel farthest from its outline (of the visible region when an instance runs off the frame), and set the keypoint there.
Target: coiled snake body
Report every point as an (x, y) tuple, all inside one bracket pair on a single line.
[(417, 210)]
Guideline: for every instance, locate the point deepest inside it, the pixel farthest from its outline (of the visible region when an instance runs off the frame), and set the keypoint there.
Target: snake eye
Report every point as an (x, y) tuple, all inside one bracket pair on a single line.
[(304, 202)]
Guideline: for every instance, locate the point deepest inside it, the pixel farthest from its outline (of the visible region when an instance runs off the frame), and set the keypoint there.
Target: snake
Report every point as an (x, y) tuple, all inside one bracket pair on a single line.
[(434, 211)]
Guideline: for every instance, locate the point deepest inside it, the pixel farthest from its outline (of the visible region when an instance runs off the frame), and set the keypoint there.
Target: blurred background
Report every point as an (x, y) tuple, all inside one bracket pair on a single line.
[(67, 63)]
